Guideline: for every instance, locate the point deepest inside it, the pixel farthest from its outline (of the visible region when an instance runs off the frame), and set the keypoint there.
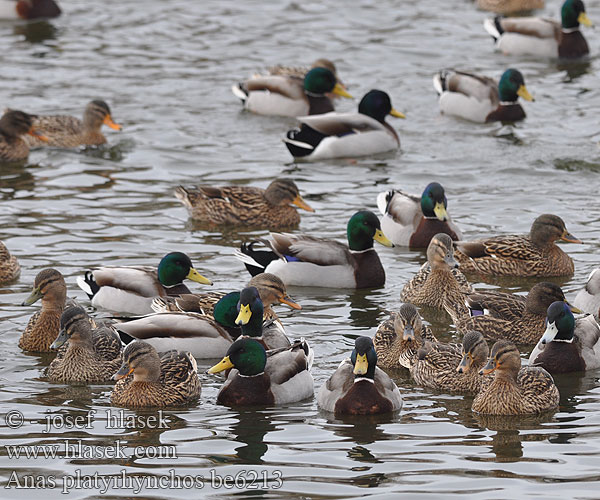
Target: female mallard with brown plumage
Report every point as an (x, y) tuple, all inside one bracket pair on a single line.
[(245, 205), (260, 377), (497, 315), (450, 367), (9, 265), (91, 355), (14, 125), (146, 379), (66, 131), (514, 390), (401, 336), (438, 281), (412, 220), (479, 98), (510, 6), (359, 386), (568, 345), (43, 327), (289, 95), (540, 36), (533, 254), (303, 260)]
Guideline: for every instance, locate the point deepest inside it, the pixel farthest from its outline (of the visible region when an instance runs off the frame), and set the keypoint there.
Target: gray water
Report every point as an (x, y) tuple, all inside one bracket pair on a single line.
[(165, 68)]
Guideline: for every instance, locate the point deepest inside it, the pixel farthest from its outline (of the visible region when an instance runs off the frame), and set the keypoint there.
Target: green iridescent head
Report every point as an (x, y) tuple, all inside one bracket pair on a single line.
[(250, 312), (434, 202), (246, 355), (560, 323), (377, 104), (320, 81), (225, 311), (175, 267), (573, 13), (362, 229), (512, 86), (364, 358)]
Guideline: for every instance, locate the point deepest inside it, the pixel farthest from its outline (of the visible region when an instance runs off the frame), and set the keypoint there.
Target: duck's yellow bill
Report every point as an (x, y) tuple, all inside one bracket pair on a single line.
[(585, 20), (397, 114), (362, 365), (574, 309), (123, 372), (341, 91), (440, 211), (224, 364), (299, 202), (380, 238), (197, 277), (524, 93), (286, 299), (244, 315), (569, 238), (108, 121)]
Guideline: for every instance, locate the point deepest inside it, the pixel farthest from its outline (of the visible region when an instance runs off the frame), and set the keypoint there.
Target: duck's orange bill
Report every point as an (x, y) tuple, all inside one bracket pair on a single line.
[(37, 135), (288, 301), (299, 202), (568, 237), (108, 121)]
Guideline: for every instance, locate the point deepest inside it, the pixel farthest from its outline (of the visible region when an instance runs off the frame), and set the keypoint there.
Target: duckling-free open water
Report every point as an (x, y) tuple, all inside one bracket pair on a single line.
[(165, 68)]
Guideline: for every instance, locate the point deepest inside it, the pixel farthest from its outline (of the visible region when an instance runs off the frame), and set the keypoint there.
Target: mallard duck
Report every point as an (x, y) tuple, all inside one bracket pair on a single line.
[(147, 379), (270, 288), (205, 336), (510, 6), (411, 220), (307, 261), (401, 336), (66, 131), (568, 345), (497, 315), (479, 98), (359, 386), (130, 289), (245, 205), (28, 9), (438, 281), (92, 354), (345, 135), (588, 299), (514, 390), (259, 377), (9, 265), (14, 125), (278, 95), (451, 367), (533, 254), (542, 37), (300, 71), (43, 327)]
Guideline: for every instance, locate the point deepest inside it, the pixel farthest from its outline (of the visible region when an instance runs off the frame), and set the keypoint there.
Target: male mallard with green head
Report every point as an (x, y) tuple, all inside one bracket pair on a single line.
[(303, 260), (359, 386)]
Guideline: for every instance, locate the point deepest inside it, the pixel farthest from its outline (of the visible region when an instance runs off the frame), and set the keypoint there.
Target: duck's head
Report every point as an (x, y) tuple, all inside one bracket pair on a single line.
[(543, 294), (75, 326), (512, 86), (285, 192), (504, 359), (49, 285), (364, 358), (573, 13), (548, 228), (96, 114), (364, 227), (408, 324), (141, 359), (272, 290), (560, 323), (177, 266), (475, 351), (15, 123), (319, 81), (440, 252), (33, 9), (434, 202), (250, 312), (246, 355), (377, 104), (225, 310)]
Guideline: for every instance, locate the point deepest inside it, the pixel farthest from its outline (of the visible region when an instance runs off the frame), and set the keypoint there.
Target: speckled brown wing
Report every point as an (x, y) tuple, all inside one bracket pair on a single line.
[(497, 304), (61, 131), (179, 375), (435, 289), (9, 266), (107, 343), (539, 392)]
